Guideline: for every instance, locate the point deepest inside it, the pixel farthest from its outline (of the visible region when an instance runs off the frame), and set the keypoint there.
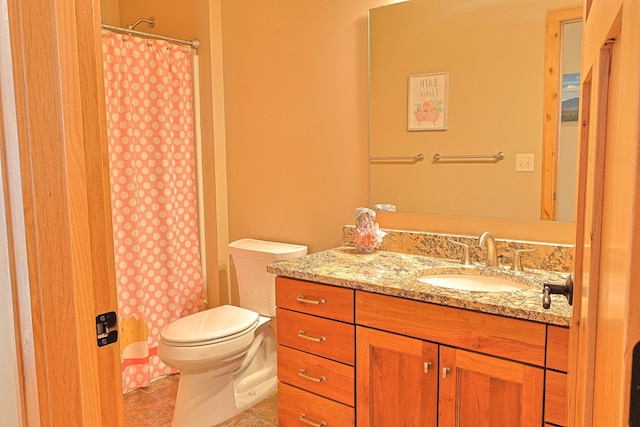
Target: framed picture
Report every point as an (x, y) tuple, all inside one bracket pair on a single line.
[(428, 107)]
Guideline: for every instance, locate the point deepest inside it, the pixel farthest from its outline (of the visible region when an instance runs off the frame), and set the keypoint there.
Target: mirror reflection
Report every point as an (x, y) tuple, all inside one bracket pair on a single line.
[(493, 52)]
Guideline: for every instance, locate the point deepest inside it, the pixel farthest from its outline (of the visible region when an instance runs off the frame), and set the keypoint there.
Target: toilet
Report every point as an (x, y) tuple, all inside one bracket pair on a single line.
[(227, 355)]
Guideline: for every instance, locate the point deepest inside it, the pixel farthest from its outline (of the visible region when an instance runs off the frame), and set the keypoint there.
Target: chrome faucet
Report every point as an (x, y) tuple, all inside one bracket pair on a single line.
[(492, 255)]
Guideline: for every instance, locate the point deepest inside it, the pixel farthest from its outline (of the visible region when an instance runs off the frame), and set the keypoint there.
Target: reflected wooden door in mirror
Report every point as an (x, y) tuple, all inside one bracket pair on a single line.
[(561, 101)]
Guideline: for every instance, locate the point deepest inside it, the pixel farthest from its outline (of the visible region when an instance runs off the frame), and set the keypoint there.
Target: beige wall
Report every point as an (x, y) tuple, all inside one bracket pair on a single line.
[(110, 11), (286, 138), (297, 126), (297, 117)]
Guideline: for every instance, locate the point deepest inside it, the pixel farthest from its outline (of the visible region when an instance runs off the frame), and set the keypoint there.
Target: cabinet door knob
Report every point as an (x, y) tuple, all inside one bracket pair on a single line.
[(303, 374), (446, 372), (303, 418), (427, 367), (303, 334), (302, 299)]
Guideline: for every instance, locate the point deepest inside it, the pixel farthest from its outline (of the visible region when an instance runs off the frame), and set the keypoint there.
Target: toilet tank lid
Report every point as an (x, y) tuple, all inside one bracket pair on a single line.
[(208, 324), (263, 249)]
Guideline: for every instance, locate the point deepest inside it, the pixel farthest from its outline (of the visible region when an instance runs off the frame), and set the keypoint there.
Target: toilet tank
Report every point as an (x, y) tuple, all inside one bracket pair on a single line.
[(256, 286)]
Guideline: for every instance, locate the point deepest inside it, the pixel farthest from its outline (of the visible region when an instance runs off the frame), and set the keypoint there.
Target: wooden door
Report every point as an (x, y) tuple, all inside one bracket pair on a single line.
[(58, 212), (478, 390), (397, 380), (606, 322)]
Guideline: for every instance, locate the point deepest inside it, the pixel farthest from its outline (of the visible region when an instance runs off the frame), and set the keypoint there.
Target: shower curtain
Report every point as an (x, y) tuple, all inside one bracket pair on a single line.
[(153, 195)]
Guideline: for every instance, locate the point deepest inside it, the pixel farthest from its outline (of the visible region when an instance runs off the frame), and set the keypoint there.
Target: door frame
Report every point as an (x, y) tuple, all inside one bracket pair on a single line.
[(58, 212), (605, 325)]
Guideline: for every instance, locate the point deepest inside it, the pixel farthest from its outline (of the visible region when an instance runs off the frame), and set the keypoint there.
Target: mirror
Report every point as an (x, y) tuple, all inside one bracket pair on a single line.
[(493, 53)]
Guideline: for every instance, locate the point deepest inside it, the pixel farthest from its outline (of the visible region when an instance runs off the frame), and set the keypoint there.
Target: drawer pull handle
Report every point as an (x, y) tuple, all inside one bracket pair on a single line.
[(303, 374), (303, 334), (303, 418), (427, 367), (302, 299)]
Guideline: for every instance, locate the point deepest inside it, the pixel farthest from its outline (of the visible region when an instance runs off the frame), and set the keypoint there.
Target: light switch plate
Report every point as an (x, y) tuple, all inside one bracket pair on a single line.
[(524, 162)]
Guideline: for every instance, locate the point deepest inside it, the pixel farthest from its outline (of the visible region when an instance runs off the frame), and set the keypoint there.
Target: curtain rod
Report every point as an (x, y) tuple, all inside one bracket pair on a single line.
[(195, 43)]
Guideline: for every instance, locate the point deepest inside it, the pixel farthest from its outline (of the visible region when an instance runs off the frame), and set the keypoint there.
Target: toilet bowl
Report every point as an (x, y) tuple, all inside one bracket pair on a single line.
[(227, 355)]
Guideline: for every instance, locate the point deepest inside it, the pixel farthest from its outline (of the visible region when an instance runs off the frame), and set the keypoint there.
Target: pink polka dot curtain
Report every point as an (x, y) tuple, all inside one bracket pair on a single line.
[(153, 195)]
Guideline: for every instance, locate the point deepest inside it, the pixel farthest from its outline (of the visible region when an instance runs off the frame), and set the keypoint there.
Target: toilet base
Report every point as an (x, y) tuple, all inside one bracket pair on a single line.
[(249, 398), (201, 408), (206, 398)]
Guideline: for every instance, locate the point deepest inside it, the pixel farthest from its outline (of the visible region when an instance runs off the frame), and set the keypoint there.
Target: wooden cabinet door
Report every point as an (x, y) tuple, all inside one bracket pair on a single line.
[(397, 380), (478, 390)]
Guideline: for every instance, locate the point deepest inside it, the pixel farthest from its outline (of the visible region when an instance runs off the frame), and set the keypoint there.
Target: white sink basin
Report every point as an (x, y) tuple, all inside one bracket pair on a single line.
[(470, 282)]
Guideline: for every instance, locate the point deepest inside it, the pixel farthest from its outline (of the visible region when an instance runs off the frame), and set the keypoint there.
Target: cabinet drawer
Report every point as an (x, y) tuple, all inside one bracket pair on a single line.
[(316, 374), (506, 337), (558, 348), (324, 337), (555, 398), (311, 298), (298, 408)]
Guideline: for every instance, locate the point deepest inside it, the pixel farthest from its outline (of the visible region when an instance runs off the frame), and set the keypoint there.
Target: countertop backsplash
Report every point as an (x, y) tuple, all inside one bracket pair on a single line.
[(547, 256)]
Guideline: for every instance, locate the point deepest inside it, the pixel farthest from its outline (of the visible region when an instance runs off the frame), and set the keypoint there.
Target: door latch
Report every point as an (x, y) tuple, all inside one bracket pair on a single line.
[(107, 328), (634, 406), (565, 289)]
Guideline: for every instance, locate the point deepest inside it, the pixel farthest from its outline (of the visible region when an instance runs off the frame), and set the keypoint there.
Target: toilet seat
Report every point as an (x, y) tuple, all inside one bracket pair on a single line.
[(212, 326)]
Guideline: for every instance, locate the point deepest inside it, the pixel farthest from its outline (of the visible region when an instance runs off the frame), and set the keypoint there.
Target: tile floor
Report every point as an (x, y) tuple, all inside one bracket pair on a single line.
[(153, 407)]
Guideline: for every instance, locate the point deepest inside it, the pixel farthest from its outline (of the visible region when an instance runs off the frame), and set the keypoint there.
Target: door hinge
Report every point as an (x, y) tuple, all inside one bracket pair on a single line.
[(107, 328)]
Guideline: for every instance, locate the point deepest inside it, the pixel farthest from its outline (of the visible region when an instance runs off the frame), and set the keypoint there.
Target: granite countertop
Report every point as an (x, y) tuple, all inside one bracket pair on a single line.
[(396, 274)]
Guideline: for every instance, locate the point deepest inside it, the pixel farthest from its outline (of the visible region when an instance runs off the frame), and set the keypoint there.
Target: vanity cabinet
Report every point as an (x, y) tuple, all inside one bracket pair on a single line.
[(412, 362), (316, 354), (470, 368)]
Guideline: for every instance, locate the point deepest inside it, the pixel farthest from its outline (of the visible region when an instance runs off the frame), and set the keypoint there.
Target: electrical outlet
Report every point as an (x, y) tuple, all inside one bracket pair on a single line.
[(524, 162)]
